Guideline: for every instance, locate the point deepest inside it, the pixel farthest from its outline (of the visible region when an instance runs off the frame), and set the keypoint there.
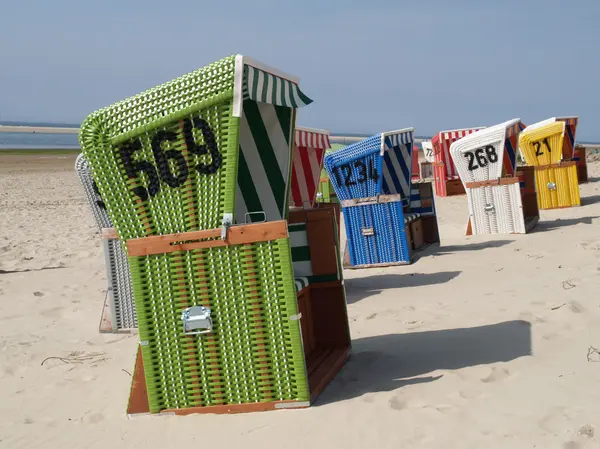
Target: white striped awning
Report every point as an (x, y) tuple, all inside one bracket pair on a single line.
[(312, 138), (262, 86)]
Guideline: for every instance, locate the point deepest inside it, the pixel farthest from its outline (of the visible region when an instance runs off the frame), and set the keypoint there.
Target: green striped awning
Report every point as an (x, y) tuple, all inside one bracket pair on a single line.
[(265, 151), (264, 87)]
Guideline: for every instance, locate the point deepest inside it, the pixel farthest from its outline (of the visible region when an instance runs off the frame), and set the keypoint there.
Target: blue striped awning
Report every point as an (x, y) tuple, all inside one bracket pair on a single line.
[(397, 151), (265, 87)]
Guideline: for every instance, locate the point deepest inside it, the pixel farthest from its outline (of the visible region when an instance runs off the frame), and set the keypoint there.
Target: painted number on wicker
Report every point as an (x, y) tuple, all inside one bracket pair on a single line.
[(134, 168), (363, 174), (428, 153), (538, 146), (482, 156)]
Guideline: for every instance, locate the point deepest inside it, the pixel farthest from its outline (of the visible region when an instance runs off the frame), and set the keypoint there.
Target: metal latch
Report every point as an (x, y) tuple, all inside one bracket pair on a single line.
[(552, 186), (249, 214), (225, 224), (489, 208), (196, 320), (368, 231)]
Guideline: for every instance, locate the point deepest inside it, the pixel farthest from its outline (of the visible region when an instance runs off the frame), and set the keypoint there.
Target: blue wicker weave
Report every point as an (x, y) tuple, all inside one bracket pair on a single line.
[(376, 234), (380, 164)]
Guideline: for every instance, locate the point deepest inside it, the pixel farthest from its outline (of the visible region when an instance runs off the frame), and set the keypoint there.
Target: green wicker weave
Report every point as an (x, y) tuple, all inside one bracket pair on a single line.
[(169, 160), (148, 204), (166, 160), (254, 353)]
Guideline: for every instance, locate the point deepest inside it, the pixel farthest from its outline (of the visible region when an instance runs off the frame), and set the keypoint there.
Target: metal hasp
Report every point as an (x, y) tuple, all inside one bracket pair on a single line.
[(196, 320), (552, 186), (489, 207), (368, 231), (225, 224)]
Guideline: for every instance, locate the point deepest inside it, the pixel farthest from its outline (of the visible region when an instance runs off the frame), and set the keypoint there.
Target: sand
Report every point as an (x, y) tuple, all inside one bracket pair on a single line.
[(482, 343)]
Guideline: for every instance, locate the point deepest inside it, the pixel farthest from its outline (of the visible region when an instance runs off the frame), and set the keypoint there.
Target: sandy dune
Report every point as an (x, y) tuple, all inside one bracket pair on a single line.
[(483, 343)]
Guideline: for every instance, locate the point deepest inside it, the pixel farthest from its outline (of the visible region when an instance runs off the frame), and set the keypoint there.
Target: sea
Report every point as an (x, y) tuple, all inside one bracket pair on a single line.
[(38, 141)]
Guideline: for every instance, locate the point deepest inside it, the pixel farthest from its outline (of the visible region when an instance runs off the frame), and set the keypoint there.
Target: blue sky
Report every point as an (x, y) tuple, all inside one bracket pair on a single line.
[(370, 66)]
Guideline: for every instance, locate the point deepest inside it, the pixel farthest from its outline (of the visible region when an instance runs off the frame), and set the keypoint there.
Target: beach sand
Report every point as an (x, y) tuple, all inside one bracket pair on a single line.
[(482, 343)]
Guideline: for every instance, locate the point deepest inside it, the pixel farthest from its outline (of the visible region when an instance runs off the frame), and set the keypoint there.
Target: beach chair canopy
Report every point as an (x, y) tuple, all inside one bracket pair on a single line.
[(568, 145), (488, 153), (542, 143), (310, 146), (193, 151), (380, 164), (428, 150), (441, 148)]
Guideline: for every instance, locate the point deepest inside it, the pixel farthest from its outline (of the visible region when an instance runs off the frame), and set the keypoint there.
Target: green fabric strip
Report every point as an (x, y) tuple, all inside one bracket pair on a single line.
[(266, 152), (300, 253), (247, 190)]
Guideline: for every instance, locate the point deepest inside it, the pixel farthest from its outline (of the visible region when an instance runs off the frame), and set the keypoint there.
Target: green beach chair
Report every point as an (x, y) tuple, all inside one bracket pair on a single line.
[(177, 167)]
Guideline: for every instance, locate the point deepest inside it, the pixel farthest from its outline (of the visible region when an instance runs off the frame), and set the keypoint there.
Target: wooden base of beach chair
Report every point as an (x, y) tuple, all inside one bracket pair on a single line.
[(444, 186), (426, 170), (377, 265), (325, 333), (580, 159), (431, 233)]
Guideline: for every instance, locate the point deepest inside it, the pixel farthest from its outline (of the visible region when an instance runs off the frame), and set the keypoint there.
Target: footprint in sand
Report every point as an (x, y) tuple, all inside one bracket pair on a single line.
[(576, 307), (54, 312), (470, 394), (96, 418), (555, 421), (397, 403), (586, 431), (497, 374)]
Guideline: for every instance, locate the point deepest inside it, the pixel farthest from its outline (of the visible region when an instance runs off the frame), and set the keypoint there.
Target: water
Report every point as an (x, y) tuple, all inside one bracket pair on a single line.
[(38, 141)]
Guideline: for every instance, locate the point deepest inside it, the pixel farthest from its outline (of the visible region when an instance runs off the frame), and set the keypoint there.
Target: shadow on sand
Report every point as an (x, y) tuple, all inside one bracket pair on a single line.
[(544, 226), (450, 249), (588, 200), (389, 362), (361, 288)]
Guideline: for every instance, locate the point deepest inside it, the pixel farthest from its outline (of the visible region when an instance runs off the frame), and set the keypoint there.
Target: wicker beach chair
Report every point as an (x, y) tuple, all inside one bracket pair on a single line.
[(556, 180), (120, 294), (178, 166)]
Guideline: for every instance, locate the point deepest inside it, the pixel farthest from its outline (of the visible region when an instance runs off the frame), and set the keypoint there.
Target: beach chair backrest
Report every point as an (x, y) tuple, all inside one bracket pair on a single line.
[(309, 150), (441, 148)]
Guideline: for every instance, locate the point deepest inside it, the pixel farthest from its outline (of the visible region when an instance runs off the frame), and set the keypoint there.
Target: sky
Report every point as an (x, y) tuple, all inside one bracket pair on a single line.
[(369, 66)]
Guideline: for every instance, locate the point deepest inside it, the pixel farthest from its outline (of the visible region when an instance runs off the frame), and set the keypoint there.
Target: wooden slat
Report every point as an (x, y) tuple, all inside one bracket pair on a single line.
[(559, 165), (236, 235), (328, 369), (106, 325), (318, 357), (322, 239), (138, 397), (492, 182), (371, 200), (236, 408), (376, 265)]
